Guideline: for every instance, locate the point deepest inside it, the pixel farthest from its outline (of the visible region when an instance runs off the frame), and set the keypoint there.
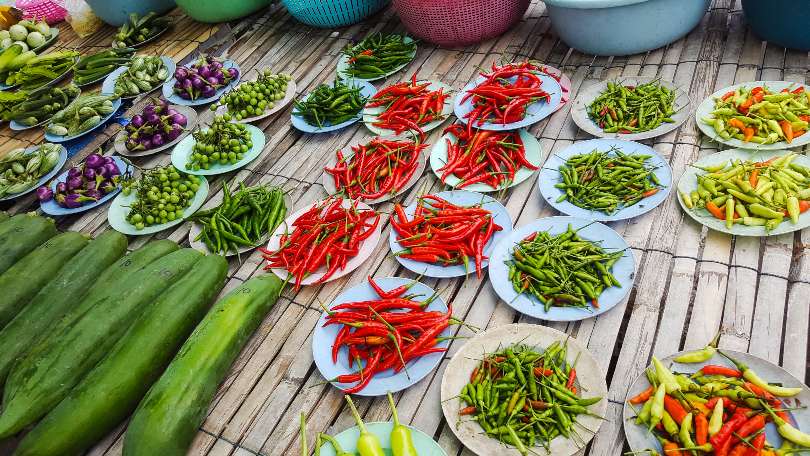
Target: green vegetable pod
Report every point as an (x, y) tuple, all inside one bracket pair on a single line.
[(3, 218), (22, 234), (48, 373), (23, 280), (168, 418), (56, 298), (111, 391)]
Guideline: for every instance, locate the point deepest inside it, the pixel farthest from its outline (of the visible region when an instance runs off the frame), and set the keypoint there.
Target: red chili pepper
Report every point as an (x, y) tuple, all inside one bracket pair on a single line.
[(713, 369), (572, 376), (701, 429), (722, 439)]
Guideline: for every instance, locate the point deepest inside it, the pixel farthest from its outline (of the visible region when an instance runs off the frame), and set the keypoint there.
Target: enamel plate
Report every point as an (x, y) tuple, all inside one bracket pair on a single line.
[(119, 209), (590, 380), (550, 176), (14, 125), (461, 198), (688, 183), (707, 106), (370, 114), (531, 147), (623, 270), (52, 208), (108, 86), (121, 138), (278, 105), (173, 98), (425, 446), (640, 439), (42, 180), (182, 153), (366, 247), (385, 381), (343, 65), (579, 111), (59, 139), (366, 90), (535, 112)]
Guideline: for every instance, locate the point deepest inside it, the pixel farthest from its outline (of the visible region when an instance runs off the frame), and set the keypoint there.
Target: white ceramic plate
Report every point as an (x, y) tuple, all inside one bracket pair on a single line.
[(688, 182), (531, 147), (579, 111), (590, 382), (121, 138), (366, 247), (343, 65), (289, 94), (329, 182), (370, 114), (640, 439), (705, 108)]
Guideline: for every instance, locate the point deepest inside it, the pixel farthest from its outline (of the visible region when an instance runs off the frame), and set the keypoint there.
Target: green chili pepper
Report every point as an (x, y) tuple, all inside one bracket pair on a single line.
[(368, 444)]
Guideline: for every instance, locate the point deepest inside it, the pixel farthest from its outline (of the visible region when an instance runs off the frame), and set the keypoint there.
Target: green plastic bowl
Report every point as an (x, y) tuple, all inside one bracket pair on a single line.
[(220, 10)]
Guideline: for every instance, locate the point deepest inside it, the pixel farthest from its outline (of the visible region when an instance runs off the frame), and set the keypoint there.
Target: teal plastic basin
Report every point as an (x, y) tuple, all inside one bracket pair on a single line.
[(116, 12), (213, 11), (623, 27), (782, 22)]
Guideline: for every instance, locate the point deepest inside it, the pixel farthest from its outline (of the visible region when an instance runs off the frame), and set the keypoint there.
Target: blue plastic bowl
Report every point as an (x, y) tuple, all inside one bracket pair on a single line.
[(116, 12), (770, 21), (622, 27)]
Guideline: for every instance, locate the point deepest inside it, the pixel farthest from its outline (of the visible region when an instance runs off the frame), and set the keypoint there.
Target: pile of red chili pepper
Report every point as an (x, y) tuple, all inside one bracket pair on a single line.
[(328, 234), (489, 157), (408, 106), (444, 233), (506, 93), (385, 333), (718, 410), (376, 168)]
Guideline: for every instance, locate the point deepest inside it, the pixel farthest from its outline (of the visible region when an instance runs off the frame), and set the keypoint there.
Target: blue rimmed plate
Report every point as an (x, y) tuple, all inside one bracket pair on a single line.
[(52, 208), (425, 446), (59, 139), (108, 86), (461, 198), (385, 381), (549, 176), (42, 180), (623, 270)]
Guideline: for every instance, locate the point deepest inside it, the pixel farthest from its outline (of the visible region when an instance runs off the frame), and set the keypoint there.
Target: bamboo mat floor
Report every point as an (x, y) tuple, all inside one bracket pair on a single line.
[(690, 283)]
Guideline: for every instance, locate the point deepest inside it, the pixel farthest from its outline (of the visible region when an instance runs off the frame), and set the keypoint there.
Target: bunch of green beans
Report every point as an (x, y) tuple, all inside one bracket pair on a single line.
[(632, 109), (330, 104), (244, 218), (378, 54), (562, 270), (607, 181), (524, 397)]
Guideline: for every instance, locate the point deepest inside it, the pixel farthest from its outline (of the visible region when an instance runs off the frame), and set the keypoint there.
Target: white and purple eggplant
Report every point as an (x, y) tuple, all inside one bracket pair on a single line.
[(85, 183), (203, 78), (158, 124)]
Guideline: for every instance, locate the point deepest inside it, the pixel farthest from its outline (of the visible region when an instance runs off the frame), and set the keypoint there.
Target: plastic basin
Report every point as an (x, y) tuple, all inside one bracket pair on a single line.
[(332, 13), (116, 12), (622, 27), (783, 22), (213, 11)]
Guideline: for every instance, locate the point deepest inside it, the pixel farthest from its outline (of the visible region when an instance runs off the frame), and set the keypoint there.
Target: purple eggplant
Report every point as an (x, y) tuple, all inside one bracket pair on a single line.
[(112, 169), (151, 119), (89, 173), (137, 120), (205, 71), (208, 92), (180, 73), (93, 161), (157, 140), (61, 187), (233, 72), (94, 194), (75, 171), (44, 193), (74, 182), (179, 119), (197, 83)]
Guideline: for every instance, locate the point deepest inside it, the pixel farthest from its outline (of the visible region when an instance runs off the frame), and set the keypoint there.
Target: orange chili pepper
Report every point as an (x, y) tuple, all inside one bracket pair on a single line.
[(649, 192), (674, 408), (748, 133), (642, 397), (736, 123), (671, 449), (715, 211), (701, 429), (728, 95), (803, 205), (798, 133), (787, 130), (753, 179), (743, 107)]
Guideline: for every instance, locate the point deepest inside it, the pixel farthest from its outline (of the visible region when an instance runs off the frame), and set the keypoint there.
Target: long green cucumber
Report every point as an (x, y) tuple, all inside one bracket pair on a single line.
[(112, 390), (56, 298), (46, 375), (26, 233), (3, 217), (168, 418), (26, 277)]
